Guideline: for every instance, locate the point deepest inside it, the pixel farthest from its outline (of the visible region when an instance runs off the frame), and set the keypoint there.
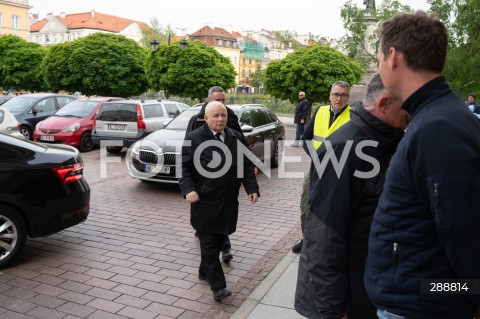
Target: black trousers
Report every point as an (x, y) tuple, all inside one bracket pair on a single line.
[(210, 247)]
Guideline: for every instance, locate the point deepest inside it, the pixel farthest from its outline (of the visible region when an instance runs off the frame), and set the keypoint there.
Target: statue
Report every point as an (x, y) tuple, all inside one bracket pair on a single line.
[(370, 4)]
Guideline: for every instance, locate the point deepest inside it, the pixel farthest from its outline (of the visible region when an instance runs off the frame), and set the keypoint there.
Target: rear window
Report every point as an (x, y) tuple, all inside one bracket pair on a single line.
[(117, 112), (153, 110)]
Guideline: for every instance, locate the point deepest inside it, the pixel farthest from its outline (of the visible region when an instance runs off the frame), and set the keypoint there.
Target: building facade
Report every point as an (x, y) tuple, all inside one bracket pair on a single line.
[(69, 27), (14, 18)]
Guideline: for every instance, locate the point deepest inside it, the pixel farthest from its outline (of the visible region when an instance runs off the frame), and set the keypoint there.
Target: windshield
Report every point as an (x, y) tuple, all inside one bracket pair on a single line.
[(181, 121), (77, 108), (19, 103)]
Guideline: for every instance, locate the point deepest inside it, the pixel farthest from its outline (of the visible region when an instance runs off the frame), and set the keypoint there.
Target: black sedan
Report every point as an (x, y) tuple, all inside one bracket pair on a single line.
[(42, 191), (157, 157)]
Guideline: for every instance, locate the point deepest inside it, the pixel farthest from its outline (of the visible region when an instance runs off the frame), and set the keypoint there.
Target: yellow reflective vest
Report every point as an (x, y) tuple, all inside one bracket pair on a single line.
[(321, 130)]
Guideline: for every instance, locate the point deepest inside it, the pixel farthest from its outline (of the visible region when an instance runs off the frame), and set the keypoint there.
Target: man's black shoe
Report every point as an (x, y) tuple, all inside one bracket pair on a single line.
[(221, 293), (297, 247), (227, 255)]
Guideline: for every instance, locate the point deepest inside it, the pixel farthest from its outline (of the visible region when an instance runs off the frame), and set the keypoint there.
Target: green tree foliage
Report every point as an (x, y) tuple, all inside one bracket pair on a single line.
[(20, 64), (356, 39), (461, 18), (189, 72), (98, 64), (54, 65), (256, 80), (312, 69)]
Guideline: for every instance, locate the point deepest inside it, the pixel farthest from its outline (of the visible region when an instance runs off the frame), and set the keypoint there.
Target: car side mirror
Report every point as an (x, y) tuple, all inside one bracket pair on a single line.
[(34, 111), (246, 128)]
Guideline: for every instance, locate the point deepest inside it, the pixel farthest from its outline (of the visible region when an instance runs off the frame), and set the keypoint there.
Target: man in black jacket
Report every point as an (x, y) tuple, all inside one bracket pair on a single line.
[(212, 185), (343, 198), (216, 93), (301, 112), (425, 235)]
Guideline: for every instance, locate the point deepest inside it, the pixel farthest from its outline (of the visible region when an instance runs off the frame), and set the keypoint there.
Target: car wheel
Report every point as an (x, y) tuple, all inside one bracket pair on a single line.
[(26, 132), (114, 149), (86, 143), (276, 154), (13, 234)]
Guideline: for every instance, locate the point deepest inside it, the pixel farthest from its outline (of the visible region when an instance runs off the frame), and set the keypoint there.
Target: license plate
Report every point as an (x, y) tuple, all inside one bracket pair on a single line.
[(48, 138), (116, 127), (157, 169)]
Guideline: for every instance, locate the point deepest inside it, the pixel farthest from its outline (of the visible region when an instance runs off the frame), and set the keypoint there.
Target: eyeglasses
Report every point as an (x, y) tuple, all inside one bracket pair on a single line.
[(339, 95), (300, 95)]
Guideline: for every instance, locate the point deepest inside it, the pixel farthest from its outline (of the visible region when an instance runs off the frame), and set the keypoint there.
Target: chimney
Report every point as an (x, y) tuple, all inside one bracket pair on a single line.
[(93, 13), (49, 15), (62, 15)]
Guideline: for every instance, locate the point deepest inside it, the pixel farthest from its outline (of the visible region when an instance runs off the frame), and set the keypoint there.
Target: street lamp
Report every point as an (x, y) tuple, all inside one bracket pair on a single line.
[(154, 43)]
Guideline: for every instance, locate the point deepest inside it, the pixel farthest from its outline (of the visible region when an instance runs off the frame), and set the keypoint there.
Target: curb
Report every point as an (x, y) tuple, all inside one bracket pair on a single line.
[(257, 295)]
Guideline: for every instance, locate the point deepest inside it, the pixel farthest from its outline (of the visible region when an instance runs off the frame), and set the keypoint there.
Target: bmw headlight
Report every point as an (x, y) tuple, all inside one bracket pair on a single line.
[(136, 150), (72, 128)]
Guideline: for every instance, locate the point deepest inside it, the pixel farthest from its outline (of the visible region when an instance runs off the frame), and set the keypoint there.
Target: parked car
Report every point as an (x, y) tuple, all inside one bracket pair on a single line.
[(8, 123), (72, 124), (4, 98), (257, 122), (29, 109), (42, 191), (129, 121)]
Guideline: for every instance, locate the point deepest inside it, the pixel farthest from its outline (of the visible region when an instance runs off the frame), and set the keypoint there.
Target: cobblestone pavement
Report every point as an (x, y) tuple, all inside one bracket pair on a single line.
[(136, 256)]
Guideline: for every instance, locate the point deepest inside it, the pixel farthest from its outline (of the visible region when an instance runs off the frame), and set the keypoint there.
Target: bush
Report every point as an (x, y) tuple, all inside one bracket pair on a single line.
[(275, 105)]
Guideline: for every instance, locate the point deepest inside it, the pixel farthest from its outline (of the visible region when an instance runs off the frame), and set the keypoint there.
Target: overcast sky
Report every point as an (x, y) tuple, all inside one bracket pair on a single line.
[(303, 16)]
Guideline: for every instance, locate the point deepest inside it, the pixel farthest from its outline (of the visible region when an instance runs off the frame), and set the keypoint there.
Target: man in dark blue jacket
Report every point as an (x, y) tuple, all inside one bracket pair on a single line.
[(425, 235), (301, 111)]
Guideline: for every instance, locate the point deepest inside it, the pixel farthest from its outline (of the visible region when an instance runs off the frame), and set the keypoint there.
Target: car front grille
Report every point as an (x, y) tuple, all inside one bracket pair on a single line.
[(49, 131), (153, 158)]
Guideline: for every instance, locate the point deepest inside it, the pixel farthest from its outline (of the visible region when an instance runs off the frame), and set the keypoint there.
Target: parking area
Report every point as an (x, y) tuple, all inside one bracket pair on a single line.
[(136, 256)]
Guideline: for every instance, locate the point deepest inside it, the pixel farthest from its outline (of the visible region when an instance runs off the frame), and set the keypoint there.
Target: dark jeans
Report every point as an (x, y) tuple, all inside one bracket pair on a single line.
[(299, 132), (210, 246)]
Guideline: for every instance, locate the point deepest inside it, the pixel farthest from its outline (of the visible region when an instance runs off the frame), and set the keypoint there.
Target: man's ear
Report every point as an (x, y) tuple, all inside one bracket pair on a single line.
[(383, 104)]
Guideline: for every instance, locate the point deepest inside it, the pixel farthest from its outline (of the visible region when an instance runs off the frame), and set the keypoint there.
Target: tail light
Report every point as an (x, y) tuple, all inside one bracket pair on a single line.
[(19, 125), (140, 122), (69, 173)]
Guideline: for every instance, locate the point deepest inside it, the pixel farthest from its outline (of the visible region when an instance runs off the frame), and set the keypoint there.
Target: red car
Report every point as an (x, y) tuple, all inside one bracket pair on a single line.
[(72, 124)]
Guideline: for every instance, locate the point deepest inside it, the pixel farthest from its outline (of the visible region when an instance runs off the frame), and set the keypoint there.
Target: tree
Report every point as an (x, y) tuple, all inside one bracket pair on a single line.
[(311, 69), (54, 65), (462, 69), (98, 64), (190, 72), (356, 41), (256, 79), (20, 64)]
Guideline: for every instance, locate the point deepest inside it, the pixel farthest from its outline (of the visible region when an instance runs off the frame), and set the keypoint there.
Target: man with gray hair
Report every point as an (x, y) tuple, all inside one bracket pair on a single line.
[(343, 198), (212, 188)]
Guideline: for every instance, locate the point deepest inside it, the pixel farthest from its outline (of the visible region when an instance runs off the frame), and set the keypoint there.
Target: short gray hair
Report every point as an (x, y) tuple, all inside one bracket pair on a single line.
[(342, 84), (374, 89), (214, 89)]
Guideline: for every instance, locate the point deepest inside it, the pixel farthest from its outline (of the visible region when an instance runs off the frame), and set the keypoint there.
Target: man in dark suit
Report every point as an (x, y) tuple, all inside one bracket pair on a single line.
[(210, 182)]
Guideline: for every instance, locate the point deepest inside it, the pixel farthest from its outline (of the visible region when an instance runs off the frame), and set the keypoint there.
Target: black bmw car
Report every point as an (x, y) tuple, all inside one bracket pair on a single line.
[(156, 158), (42, 191)]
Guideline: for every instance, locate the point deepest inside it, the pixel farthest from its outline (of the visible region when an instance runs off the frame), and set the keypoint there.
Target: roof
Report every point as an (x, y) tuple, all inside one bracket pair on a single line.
[(207, 31), (89, 20)]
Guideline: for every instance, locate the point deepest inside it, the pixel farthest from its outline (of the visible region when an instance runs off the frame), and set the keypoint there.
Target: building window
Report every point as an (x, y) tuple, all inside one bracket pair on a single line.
[(234, 44), (219, 42), (1, 20), (249, 61), (249, 73), (16, 22), (235, 61), (227, 44)]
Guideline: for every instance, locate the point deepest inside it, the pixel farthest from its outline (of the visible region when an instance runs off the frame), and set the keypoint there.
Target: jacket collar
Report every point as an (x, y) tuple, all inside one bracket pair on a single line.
[(430, 91)]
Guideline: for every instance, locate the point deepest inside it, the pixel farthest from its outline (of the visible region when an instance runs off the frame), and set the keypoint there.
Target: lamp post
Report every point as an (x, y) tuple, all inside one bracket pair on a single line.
[(154, 43)]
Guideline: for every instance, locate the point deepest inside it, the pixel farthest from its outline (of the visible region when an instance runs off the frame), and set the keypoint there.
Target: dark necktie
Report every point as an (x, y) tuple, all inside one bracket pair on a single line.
[(217, 137)]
